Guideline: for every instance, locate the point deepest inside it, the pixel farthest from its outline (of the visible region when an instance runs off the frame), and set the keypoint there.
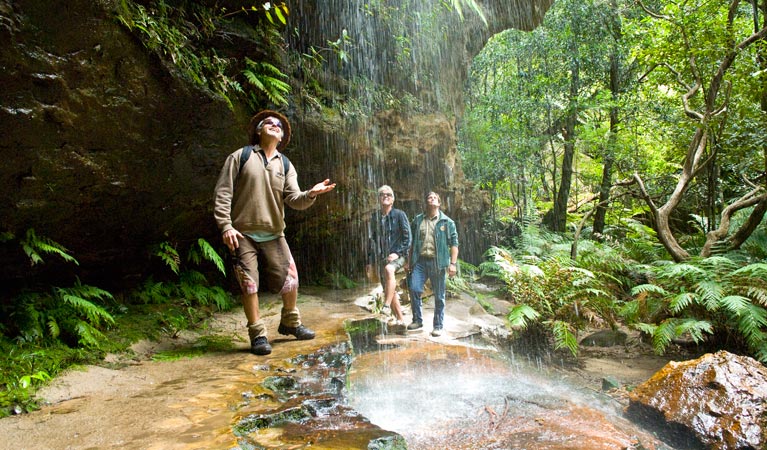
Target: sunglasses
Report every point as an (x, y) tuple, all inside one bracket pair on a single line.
[(386, 195), (272, 122)]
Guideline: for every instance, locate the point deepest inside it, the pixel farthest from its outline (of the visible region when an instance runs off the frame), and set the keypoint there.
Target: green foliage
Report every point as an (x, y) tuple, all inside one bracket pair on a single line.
[(550, 289), (191, 288), (700, 298), (72, 314), (34, 245), (179, 35), (25, 368), (521, 316), (266, 78), (203, 251)]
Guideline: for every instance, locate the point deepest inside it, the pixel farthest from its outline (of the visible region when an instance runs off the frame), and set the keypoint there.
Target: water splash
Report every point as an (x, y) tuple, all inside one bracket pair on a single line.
[(456, 397)]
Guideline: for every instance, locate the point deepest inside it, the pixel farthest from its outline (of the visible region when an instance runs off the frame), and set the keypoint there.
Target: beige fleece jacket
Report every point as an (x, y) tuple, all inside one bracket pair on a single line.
[(257, 202)]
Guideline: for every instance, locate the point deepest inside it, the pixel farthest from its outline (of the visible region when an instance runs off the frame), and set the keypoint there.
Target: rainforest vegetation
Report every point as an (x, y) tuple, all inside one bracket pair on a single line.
[(623, 145)]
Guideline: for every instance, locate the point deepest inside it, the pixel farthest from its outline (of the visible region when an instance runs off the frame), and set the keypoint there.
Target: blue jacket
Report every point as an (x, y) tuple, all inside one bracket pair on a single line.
[(445, 236), (390, 234)]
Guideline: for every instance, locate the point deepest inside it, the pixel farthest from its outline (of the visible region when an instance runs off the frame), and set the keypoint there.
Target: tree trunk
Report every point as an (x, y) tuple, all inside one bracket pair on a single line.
[(609, 158), (694, 159), (753, 221), (556, 218)]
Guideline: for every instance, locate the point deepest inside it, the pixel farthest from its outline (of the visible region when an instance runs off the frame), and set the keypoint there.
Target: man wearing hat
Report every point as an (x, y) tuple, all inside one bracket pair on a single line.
[(249, 209)]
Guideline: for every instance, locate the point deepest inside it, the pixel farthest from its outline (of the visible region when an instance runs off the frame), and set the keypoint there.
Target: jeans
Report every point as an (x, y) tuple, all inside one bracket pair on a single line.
[(423, 270)]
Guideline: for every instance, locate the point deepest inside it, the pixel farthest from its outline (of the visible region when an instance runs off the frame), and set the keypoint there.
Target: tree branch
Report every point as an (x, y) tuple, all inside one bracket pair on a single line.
[(749, 199)]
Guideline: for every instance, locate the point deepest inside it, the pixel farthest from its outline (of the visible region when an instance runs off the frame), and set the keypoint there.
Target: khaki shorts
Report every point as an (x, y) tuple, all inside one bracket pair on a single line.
[(397, 263), (272, 259)]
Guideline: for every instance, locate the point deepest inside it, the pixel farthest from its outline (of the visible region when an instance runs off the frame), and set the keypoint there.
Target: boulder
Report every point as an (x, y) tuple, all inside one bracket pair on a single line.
[(717, 401)]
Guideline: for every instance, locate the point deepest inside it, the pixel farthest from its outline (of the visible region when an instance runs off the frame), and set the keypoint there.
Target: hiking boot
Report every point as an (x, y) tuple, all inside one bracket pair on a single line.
[(300, 332), (437, 332), (260, 346), (415, 326)]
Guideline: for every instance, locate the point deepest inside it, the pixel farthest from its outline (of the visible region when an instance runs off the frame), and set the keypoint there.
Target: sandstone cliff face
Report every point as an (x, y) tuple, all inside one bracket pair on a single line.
[(107, 152)]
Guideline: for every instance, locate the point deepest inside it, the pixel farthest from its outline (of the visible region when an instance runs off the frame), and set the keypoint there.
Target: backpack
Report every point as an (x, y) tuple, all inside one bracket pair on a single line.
[(248, 150)]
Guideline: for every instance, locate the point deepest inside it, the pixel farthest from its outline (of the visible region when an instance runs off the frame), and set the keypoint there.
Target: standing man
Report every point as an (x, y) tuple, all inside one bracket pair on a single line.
[(389, 232), (434, 253), (254, 185)]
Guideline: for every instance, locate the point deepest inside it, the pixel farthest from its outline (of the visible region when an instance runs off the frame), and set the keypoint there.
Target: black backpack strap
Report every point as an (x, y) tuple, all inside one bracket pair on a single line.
[(248, 150), (285, 165), (245, 156)]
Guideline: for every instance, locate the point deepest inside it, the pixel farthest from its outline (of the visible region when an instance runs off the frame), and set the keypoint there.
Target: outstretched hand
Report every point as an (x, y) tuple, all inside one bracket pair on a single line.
[(321, 188)]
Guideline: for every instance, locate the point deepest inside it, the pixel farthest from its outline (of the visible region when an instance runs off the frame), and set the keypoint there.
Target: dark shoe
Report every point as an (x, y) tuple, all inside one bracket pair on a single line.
[(415, 326), (260, 346), (300, 332)]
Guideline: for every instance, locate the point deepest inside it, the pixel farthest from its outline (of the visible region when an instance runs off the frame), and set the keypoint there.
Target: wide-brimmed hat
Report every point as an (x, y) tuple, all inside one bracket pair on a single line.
[(253, 133)]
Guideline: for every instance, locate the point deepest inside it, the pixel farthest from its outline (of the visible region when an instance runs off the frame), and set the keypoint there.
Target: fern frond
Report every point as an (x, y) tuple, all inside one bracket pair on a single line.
[(193, 278), (758, 294), (710, 293), (664, 333), (695, 328), (756, 270), (265, 77), (718, 263), (629, 311), (169, 255), (210, 254), (95, 314), (220, 298), (735, 303), (682, 270), (648, 288), (751, 324), (647, 328), (521, 316), (53, 328), (681, 301), (564, 337), (33, 245), (87, 335), (154, 292)]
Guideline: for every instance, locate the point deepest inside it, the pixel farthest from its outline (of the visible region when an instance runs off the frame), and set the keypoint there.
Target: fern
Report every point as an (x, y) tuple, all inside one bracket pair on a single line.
[(266, 78), (564, 337), (521, 316), (694, 328), (710, 293), (703, 296), (204, 251), (681, 301), (34, 245), (751, 323), (169, 255), (648, 288)]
